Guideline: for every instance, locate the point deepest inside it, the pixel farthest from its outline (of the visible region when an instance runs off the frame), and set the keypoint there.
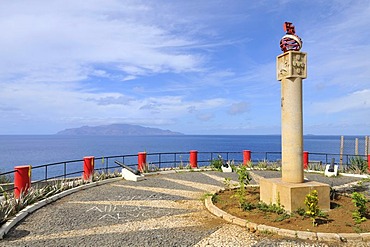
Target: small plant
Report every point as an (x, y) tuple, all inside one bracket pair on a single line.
[(233, 166), (273, 166), (249, 164), (262, 164), (153, 168), (215, 198), (244, 179), (274, 208), (358, 164), (312, 206), (282, 217), (243, 176), (361, 211), (227, 183), (301, 212), (217, 163), (316, 166), (247, 206)]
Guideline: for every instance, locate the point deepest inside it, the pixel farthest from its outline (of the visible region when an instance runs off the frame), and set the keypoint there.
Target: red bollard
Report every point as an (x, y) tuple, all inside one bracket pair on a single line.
[(22, 180), (368, 162), (88, 167), (141, 161), (246, 157), (305, 160), (193, 158)]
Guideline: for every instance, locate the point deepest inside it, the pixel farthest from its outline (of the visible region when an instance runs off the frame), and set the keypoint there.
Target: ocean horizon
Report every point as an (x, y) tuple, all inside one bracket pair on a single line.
[(42, 149)]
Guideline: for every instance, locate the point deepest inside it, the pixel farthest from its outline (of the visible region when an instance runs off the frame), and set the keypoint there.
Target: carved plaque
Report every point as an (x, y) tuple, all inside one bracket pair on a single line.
[(291, 64)]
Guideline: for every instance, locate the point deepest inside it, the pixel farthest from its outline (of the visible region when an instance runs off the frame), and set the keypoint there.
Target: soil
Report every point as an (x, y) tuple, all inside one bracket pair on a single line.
[(338, 220)]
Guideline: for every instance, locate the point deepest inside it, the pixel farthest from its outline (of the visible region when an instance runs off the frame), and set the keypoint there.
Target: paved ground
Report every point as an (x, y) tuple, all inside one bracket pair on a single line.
[(163, 210)]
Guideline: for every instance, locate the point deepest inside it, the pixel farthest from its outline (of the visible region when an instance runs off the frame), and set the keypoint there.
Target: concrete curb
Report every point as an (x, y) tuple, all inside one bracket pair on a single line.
[(252, 227), (35, 206)]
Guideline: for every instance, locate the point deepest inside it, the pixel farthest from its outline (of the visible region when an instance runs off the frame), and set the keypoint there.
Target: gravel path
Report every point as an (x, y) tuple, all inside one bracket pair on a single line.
[(162, 210)]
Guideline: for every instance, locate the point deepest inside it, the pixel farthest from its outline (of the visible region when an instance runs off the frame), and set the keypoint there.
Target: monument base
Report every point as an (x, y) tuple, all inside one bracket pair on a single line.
[(292, 195)]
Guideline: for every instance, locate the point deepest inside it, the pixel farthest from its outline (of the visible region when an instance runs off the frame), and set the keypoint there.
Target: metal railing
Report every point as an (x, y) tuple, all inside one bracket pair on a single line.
[(157, 161)]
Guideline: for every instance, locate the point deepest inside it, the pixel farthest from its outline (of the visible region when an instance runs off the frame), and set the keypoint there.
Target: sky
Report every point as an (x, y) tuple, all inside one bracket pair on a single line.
[(196, 67)]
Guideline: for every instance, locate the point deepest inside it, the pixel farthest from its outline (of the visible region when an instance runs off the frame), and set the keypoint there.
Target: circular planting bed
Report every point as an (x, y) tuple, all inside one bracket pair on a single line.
[(337, 224)]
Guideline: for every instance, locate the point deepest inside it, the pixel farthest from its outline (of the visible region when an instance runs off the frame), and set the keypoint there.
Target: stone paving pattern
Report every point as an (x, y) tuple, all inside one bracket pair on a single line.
[(162, 210)]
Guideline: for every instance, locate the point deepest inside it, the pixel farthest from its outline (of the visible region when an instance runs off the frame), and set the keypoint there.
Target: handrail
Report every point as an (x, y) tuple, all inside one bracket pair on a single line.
[(67, 169)]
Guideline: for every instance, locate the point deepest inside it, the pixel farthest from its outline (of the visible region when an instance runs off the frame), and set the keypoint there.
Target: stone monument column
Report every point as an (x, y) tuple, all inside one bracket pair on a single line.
[(290, 190), (291, 69)]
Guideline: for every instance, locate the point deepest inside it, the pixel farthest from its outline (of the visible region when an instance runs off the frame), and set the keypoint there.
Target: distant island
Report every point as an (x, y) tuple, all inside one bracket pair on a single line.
[(116, 130)]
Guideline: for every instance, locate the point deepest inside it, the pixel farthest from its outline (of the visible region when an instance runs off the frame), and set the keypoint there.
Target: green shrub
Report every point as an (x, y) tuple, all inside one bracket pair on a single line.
[(361, 211), (301, 211), (262, 164), (227, 183), (215, 198), (244, 179), (274, 208), (247, 206), (358, 165), (217, 163), (312, 207)]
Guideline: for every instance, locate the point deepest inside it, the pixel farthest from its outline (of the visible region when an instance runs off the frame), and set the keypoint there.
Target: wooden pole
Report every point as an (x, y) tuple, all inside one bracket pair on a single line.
[(341, 152), (356, 146)]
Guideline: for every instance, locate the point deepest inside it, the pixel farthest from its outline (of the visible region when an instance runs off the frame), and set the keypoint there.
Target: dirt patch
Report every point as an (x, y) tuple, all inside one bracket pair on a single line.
[(338, 220)]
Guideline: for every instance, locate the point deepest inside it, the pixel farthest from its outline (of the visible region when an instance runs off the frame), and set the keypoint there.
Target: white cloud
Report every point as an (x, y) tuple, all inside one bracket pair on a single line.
[(359, 100), (166, 62), (69, 40), (238, 108), (338, 48), (205, 117)]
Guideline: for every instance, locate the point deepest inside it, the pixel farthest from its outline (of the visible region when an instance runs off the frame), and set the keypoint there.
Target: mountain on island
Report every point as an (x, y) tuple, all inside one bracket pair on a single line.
[(116, 130)]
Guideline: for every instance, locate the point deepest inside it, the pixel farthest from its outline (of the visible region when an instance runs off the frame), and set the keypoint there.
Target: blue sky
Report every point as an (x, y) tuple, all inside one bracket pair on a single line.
[(197, 67)]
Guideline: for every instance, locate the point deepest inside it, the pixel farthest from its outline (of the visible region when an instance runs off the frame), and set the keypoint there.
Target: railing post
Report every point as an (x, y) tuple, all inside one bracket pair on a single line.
[(368, 162), (22, 180), (159, 161), (88, 168), (106, 165), (193, 158), (305, 160), (141, 161), (246, 157)]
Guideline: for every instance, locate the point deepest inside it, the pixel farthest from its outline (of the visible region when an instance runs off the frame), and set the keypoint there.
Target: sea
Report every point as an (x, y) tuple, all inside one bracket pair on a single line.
[(37, 150)]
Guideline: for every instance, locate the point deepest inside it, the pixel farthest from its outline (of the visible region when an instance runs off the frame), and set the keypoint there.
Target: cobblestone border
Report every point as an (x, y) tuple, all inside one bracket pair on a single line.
[(253, 227), (35, 206)]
